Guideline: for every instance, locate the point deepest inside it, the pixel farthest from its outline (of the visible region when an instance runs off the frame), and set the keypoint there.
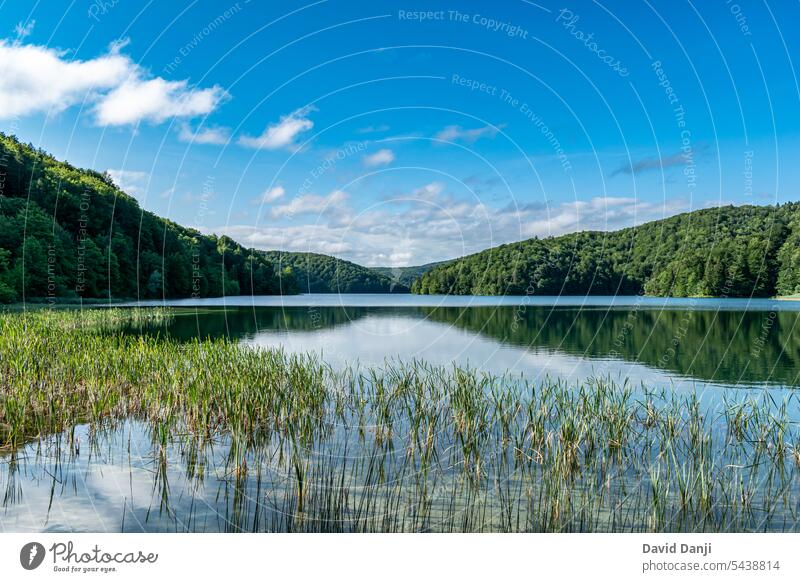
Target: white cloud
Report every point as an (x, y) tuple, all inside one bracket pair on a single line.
[(428, 191), (270, 195), (206, 135), (282, 135), (38, 79), (311, 238), (155, 100), (116, 46), (129, 181), (600, 213), (430, 225), (458, 133), (380, 158), (24, 29), (311, 204)]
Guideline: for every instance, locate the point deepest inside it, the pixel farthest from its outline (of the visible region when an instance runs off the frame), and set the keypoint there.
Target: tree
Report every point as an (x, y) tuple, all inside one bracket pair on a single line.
[(66, 231), (728, 251), (155, 285)]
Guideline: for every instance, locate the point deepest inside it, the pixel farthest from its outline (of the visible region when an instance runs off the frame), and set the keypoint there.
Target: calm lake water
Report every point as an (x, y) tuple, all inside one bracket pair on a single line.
[(660, 341), (744, 353)]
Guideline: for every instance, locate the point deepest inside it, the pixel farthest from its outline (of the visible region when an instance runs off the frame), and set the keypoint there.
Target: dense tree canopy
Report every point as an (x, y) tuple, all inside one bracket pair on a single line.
[(724, 252), (404, 277), (316, 273), (69, 233)]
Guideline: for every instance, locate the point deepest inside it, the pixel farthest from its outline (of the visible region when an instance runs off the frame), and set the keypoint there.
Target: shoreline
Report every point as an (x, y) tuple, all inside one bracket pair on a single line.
[(410, 300)]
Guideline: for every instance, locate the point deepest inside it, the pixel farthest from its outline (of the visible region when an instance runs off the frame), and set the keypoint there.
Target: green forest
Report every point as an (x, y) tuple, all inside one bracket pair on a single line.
[(315, 273), (69, 234), (405, 276), (728, 251)]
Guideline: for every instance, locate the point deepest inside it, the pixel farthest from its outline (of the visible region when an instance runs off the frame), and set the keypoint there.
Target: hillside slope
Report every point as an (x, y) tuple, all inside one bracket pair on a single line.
[(68, 233), (315, 273), (405, 276), (724, 252)]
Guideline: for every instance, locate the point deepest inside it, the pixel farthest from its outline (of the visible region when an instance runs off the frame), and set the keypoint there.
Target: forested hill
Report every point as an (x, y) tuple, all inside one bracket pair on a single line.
[(68, 233), (316, 273), (405, 276), (722, 252)]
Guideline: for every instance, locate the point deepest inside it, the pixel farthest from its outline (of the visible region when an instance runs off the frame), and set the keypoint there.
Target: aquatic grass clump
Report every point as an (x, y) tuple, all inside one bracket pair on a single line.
[(280, 442)]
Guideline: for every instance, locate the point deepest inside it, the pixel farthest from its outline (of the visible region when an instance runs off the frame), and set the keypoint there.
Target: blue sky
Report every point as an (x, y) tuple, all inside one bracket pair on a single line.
[(396, 133)]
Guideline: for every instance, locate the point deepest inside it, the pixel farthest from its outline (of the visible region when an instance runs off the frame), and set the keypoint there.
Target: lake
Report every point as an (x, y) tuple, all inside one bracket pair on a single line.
[(660, 341), (550, 446)]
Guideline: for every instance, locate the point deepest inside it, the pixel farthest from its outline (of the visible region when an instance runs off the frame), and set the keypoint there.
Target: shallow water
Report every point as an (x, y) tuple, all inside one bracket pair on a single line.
[(122, 477)]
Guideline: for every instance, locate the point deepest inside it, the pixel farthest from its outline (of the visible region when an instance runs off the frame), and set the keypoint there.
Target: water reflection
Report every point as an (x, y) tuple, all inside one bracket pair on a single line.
[(718, 346), (402, 453)]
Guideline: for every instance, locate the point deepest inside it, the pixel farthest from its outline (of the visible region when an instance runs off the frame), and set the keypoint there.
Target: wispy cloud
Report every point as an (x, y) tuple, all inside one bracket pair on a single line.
[(650, 163), (311, 204), (270, 195), (39, 79), (458, 133), (487, 184), (282, 135), (428, 192), (380, 158), (428, 224), (206, 135), (24, 29)]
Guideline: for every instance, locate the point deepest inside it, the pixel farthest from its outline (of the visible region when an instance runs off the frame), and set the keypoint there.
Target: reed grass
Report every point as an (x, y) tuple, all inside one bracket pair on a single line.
[(292, 444)]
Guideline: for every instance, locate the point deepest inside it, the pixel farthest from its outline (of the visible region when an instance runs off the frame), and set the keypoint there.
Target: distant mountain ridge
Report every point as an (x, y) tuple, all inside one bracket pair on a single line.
[(405, 276), (316, 273)]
